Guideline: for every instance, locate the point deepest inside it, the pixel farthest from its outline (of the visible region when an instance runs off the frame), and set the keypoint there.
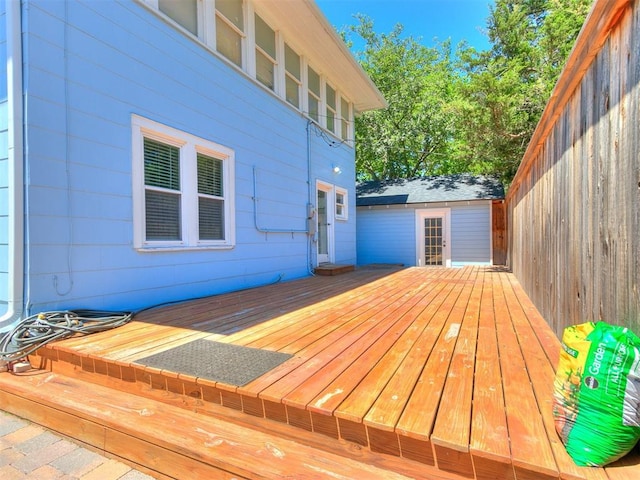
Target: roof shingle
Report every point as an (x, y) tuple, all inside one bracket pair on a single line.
[(445, 188)]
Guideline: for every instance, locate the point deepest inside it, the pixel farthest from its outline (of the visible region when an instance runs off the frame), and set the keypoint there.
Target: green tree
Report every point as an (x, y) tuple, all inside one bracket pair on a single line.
[(412, 136), (474, 112), (502, 92)]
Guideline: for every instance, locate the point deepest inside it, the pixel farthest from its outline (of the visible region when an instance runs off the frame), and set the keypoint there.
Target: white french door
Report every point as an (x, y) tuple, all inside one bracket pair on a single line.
[(433, 237), (325, 213)]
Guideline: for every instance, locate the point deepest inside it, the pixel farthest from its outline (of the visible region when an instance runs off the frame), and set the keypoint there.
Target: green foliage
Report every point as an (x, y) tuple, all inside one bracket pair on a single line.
[(503, 92), (472, 112), (411, 137)]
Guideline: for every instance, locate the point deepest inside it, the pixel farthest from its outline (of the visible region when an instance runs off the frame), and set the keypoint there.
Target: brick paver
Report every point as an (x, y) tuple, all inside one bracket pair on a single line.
[(28, 451)]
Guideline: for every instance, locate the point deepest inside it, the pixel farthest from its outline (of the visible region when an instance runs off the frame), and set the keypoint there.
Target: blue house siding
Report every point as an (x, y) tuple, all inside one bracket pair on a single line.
[(388, 234), (122, 60), (4, 157), (471, 234)]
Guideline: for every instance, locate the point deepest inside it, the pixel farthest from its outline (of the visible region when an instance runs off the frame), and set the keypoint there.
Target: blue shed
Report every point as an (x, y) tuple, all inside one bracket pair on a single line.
[(430, 221), (155, 151)]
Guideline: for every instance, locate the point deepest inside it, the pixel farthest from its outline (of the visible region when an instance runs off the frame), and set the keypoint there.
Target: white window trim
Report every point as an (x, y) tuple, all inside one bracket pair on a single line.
[(212, 41), (345, 205), (189, 146), (347, 116)]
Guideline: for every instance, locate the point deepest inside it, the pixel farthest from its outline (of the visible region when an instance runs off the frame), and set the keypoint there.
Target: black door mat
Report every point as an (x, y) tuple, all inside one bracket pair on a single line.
[(220, 362)]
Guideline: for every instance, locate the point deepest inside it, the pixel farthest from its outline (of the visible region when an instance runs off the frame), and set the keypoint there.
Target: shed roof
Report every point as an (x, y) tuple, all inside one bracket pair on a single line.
[(445, 188)]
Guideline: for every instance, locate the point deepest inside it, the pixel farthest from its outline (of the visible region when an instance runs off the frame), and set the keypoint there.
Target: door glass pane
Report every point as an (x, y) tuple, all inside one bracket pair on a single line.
[(433, 241), (323, 243)]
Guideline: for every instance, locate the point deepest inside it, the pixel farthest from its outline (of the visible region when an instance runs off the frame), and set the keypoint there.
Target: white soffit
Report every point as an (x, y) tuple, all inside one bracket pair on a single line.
[(310, 33)]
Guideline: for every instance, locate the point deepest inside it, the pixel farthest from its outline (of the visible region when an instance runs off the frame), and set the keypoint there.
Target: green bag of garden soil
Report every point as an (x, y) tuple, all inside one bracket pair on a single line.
[(597, 392)]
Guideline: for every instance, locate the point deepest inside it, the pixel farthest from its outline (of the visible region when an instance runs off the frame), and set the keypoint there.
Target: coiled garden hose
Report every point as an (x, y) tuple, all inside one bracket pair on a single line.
[(37, 330)]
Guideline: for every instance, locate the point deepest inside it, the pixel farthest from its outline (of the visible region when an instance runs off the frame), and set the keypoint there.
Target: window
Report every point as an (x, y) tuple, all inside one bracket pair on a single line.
[(183, 189), (240, 35), (183, 12), (330, 95), (344, 119), (265, 53), (292, 76), (313, 84), (341, 204), (229, 29)]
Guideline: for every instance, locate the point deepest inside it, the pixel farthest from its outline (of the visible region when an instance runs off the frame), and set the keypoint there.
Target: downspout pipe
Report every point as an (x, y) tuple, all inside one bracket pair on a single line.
[(15, 169)]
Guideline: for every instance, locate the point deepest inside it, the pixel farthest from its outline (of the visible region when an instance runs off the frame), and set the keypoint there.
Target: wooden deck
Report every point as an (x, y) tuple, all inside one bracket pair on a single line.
[(421, 373)]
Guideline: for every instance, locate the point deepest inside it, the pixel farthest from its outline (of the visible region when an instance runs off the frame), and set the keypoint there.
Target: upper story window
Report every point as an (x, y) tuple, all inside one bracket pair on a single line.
[(183, 189), (229, 29), (183, 12), (313, 87), (235, 30), (265, 53), (293, 80), (330, 96), (345, 115)]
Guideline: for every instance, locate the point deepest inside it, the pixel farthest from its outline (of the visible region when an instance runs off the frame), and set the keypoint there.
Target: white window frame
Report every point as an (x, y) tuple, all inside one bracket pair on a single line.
[(293, 78), (189, 146), (331, 108), (212, 14), (318, 97), (344, 215), (345, 117), (273, 60)]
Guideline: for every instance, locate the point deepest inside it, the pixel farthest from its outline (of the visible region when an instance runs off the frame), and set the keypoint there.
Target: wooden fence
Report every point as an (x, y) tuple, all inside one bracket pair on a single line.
[(574, 206)]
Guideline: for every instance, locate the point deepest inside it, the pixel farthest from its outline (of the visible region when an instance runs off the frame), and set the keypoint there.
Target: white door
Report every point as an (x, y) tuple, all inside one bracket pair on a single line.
[(325, 214), (433, 237)]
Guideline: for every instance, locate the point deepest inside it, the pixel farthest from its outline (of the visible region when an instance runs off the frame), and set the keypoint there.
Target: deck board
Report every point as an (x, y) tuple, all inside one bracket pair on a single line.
[(446, 370), (489, 442)]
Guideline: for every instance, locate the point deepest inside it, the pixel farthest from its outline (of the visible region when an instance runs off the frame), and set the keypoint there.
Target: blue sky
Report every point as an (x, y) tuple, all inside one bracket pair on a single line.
[(455, 19)]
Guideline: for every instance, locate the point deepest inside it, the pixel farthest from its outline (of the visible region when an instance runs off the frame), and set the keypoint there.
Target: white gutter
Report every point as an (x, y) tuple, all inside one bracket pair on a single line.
[(15, 172)]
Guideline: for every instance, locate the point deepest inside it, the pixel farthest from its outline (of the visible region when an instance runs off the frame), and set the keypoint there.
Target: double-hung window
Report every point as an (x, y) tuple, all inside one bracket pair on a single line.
[(330, 95), (265, 53), (182, 188), (344, 119), (293, 80), (313, 87), (341, 204), (230, 29)]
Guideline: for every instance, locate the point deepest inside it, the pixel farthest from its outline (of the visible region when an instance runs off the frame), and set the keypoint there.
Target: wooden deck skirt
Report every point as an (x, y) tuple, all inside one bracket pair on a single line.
[(421, 372)]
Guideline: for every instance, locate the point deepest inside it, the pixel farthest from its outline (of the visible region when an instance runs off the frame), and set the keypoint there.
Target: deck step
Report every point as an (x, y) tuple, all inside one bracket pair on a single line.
[(169, 440), (331, 269)]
